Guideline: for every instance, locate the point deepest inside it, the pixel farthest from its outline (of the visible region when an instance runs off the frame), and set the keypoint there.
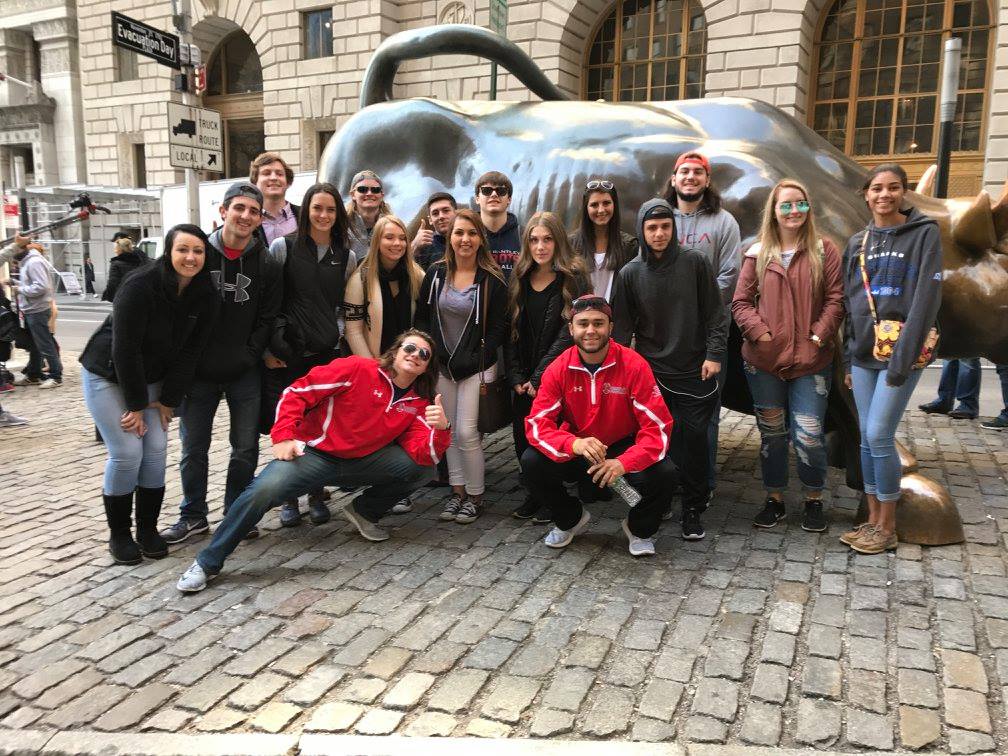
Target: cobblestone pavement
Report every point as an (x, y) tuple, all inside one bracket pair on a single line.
[(779, 638)]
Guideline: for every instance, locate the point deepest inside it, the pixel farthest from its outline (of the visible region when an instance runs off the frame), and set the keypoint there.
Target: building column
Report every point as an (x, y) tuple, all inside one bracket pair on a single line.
[(14, 47), (60, 76)]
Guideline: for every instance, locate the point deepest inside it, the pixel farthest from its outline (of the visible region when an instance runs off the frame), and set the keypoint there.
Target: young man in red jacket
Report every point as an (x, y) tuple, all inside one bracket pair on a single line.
[(353, 422), (599, 415)]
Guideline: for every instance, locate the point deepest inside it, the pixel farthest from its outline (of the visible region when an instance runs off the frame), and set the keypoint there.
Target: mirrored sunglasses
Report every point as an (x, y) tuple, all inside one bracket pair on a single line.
[(801, 207), (409, 347), (605, 186)]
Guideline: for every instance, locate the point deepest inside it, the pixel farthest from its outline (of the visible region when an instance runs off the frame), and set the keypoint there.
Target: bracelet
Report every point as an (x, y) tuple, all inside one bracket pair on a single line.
[(816, 339)]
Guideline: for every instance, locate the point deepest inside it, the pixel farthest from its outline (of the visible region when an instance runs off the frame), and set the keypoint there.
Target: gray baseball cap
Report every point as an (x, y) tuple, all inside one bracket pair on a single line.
[(243, 189)]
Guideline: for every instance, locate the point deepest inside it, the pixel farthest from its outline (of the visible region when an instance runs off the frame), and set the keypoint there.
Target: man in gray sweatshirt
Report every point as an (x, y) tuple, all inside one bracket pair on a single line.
[(702, 224), (35, 290)]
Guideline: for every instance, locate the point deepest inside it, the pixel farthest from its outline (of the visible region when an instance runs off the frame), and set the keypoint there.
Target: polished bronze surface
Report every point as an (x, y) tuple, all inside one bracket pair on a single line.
[(550, 149), (925, 514)]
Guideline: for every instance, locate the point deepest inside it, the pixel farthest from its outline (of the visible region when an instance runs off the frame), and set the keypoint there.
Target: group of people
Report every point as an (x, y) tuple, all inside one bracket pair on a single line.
[(363, 347)]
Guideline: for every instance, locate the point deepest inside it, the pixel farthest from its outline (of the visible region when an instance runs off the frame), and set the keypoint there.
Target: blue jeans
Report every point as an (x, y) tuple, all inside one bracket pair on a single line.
[(880, 408), (960, 379), (390, 473), (43, 346), (132, 460), (196, 427), (792, 409)]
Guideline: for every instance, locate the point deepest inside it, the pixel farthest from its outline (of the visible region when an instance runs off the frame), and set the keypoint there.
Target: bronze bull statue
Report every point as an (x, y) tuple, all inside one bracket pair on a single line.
[(549, 149)]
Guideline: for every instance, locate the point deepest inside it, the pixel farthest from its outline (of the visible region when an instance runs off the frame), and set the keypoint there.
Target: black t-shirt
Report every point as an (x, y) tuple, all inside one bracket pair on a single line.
[(399, 393), (535, 306), (590, 368)]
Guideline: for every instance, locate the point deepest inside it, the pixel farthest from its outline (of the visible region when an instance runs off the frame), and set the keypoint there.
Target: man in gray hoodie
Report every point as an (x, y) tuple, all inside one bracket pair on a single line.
[(668, 299), (35, 291), (702, 224)]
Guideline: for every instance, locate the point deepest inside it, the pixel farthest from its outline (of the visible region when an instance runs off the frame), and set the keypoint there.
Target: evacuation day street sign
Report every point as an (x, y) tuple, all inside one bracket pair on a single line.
[(194, 138), (146, 40)]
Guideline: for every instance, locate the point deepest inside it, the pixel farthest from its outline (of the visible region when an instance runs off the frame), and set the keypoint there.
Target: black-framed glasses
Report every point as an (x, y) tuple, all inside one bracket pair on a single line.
[(424, 353), (500, 191), (605, 186), (365, 189), (802, 206)]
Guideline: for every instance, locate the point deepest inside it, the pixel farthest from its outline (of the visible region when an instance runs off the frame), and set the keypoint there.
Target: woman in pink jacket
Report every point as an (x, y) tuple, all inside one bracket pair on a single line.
[(789, 304)]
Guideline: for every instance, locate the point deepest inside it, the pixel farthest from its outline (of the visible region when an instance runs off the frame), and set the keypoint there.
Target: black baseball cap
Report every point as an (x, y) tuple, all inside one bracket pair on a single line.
[(243, 189), (590, 302)]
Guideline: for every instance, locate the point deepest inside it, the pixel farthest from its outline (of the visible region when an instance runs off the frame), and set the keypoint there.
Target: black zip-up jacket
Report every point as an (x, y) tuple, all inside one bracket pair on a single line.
[(119, 267), (671, 304), (529, 356), (464, 361), (250, 290), (152, 335), (904, 266), (312, 299)]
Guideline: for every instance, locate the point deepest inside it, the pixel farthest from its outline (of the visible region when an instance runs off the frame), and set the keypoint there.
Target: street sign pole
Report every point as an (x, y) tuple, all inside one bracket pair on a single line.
[(498, 23), (183, 17)]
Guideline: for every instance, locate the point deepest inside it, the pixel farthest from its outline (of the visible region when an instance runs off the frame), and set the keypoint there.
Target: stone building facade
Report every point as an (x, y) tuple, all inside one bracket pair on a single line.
[(280, 86)]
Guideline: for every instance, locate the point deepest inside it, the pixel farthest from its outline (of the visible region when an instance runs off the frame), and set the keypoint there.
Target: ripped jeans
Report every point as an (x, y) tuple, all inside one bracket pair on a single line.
[(791, 410)]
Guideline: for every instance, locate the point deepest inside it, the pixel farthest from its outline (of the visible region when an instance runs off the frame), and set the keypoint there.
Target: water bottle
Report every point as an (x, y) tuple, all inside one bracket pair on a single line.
[(628, 493)]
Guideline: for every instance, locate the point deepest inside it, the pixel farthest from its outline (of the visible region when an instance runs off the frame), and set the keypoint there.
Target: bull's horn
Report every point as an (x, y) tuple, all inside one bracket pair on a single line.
[(1000, 213), (926, 184), (974, 229)]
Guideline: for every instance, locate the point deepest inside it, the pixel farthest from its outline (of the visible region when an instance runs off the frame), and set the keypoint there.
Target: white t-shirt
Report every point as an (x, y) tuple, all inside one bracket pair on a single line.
[(786, 256), (601, 277)]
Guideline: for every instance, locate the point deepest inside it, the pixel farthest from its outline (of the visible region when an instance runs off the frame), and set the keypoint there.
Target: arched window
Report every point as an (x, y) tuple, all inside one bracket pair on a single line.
[(878, 79), (648, 50), (234, 68)]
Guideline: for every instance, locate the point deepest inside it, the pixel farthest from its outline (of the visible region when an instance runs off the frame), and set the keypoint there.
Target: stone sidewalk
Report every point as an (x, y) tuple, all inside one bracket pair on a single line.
[(777, 639)]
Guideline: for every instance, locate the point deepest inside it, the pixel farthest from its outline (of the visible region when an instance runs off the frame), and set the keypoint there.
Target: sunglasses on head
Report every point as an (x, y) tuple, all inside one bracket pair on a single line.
[(606, 186), (500, 191), (365, 189), (409, 347), (802, 206)]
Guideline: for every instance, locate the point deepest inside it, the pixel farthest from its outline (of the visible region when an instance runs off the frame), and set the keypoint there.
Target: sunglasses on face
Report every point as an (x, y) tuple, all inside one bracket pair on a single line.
[(606, 186), (500, 191), (409, 347), (365, 189), (801, 206)]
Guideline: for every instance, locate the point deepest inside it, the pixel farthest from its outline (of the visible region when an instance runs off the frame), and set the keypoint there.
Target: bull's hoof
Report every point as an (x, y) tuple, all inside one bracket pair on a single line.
[(925, 514)]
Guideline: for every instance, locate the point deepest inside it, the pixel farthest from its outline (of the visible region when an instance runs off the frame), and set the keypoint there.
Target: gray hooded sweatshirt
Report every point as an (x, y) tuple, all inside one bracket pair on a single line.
[(716, 237), (671, 304), (904, 265)]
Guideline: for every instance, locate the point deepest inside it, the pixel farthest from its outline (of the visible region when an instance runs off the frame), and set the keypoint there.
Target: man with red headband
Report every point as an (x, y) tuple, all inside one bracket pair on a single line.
[(599, 416), (702, 224)]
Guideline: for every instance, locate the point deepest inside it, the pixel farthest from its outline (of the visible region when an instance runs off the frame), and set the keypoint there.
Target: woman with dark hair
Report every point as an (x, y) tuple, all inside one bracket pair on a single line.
[(317, 261), (126, 260), (892, 291), (463, 305), (548, 276), (789, 304), (391, 429), (599, 240), (135, 369)]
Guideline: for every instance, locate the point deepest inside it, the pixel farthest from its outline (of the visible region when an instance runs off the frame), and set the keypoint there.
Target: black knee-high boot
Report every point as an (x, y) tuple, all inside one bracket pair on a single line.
[(148, 507), (117, 512)]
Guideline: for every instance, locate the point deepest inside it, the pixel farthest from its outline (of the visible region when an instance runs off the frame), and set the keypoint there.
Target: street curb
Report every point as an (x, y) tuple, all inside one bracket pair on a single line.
[(91, 743)]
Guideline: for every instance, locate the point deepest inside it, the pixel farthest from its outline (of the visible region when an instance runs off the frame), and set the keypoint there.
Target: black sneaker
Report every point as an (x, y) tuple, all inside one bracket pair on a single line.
[(956, 414), (692, 528), (935, 408), (318, 512), (773, 512), (183, 529), (814, 520), (543, 517), (527, 510), (998, 423)]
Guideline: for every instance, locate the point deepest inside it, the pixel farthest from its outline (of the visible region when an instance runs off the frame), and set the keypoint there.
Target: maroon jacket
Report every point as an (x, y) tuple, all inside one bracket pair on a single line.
[(788, 309)]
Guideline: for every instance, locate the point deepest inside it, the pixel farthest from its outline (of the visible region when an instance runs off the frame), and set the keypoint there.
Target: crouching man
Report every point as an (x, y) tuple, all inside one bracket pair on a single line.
[(599, 415), (354, 422)]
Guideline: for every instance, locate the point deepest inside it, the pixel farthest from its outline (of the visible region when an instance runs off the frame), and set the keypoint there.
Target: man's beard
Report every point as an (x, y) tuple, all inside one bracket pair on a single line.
[(690, 197), (602, 345)]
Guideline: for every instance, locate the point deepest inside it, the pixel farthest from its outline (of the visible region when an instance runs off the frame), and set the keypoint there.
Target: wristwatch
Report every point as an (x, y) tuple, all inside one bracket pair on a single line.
[(816, 339)]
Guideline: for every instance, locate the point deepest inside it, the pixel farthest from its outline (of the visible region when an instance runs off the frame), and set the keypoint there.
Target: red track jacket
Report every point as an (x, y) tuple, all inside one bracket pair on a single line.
[(621, 398), (345, 409)]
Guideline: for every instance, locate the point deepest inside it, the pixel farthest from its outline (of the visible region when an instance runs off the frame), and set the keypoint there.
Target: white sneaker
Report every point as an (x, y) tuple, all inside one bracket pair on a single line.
[(403, 506), (194, 580), (638, 546), (557, 539), (50, 383)]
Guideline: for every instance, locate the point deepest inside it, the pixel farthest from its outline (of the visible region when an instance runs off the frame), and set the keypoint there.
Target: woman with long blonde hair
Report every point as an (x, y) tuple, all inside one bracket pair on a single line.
[(463, 305), (789, 305), (382, 293), (366, 205), (548, 276)]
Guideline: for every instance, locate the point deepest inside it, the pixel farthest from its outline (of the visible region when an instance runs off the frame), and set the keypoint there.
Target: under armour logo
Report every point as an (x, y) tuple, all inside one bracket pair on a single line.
[(239, 288), (577, 388)]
